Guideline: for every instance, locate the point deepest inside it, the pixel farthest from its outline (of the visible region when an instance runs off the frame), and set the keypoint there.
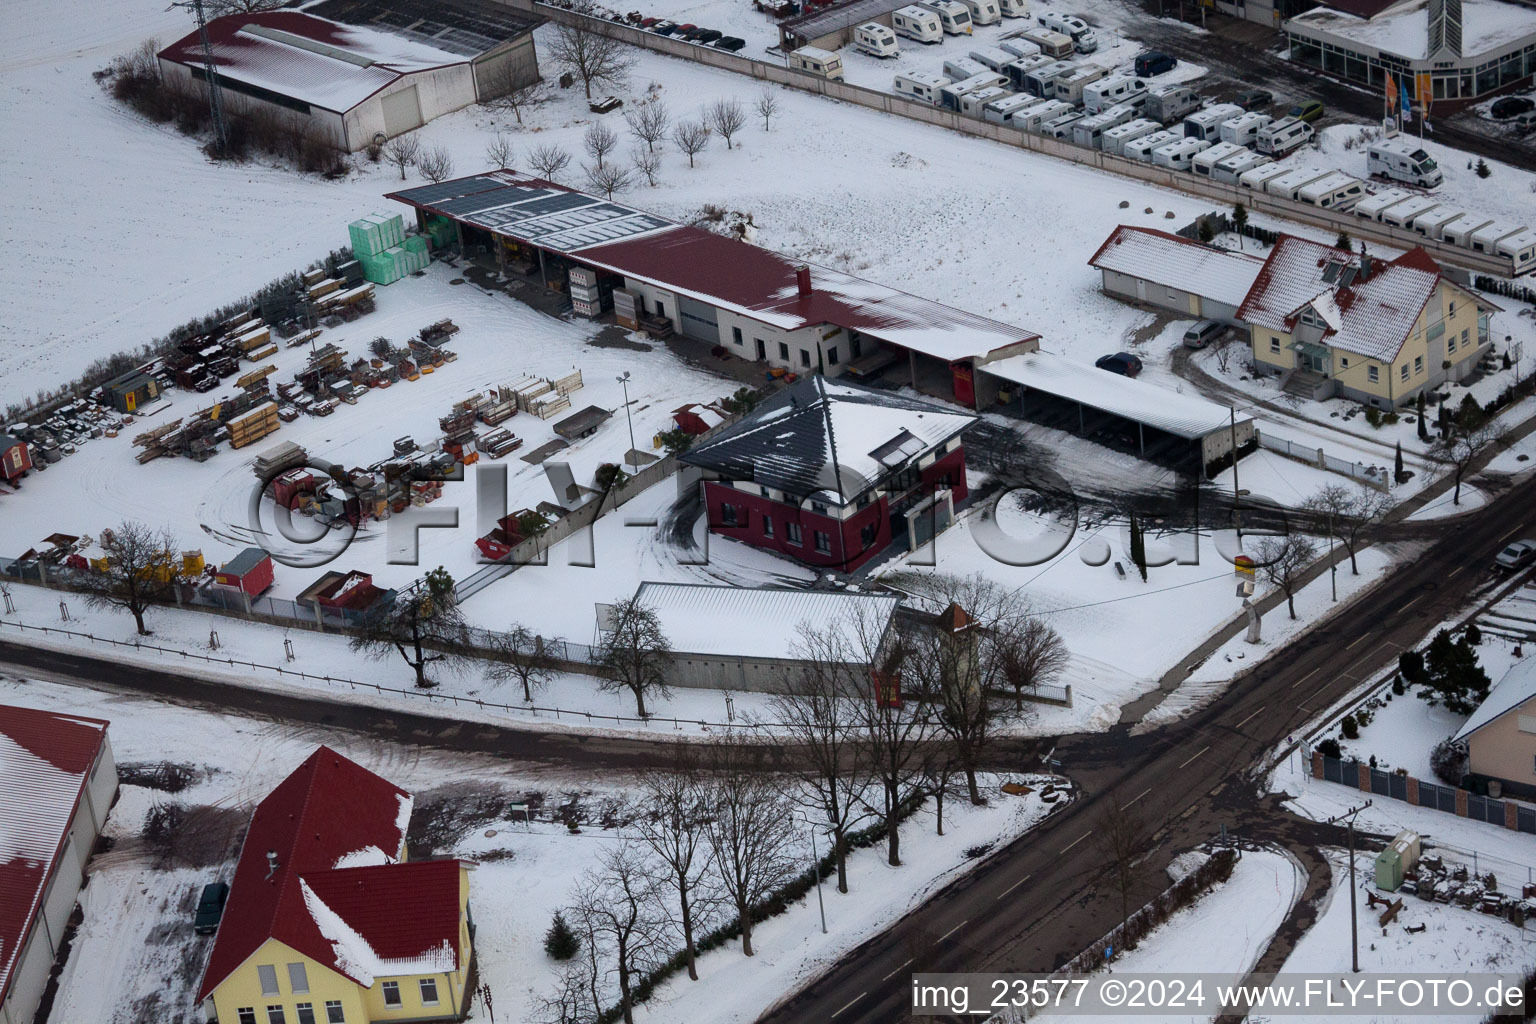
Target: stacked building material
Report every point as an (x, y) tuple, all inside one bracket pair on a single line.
[(626, 308), (252, 426), (590, 293)]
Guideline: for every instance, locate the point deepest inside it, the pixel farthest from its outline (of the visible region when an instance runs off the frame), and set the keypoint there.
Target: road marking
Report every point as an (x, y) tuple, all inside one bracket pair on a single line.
[(1304, 678), (1005, 892), (1246, 720), (1074, 842), (899, 966), (850, 1002), (1187, 763), (1138, 796), (1359, 639), (1454, 571), (952, 931), (1410, 604), (1510, 534)]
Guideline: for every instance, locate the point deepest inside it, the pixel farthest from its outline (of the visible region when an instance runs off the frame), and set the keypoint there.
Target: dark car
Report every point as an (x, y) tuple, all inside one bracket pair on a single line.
[(686, 31), (1154, 63), (707, 36), (1256, 99), (1511, 106), (664, 28), (210, 907), (1122, 363), (1307, 110), (732, 43)]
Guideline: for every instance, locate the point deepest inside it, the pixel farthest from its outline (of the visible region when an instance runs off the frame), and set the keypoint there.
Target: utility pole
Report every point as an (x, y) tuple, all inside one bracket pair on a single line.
[(624, 380), (1333, 567), (210, 74), (816, 867), (1237, 501), (1354, 925)]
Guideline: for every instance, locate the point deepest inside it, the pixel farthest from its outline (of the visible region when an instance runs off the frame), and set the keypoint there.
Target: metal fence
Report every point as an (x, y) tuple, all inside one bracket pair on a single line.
[(1436, 797), (1379, 477)]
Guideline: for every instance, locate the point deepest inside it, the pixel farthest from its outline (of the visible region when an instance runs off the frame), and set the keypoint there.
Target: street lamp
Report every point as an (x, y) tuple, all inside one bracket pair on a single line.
[(623, 379), (816, 868)]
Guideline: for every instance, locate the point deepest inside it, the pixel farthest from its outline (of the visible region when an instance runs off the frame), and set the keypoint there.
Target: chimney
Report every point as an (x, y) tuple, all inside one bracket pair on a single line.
[(271, 864), (1365, 266), (803, 279)]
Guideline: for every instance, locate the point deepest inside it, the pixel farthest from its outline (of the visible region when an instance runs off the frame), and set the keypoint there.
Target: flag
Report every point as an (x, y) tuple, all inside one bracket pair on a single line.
[(1407, 103), (1391, 93)]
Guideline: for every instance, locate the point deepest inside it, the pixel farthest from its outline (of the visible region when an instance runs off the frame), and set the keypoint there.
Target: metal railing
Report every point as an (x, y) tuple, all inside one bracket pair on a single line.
[(1379, 477)]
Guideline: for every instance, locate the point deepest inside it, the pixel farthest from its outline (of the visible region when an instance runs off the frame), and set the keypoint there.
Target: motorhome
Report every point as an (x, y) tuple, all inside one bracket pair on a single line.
[(1521, 250), (1143, 148), (1407, 212), (1013, 8), (1336, 191), (1117, 138), (1061, 127), (1244, 130), (1041, 81), (816, 61), (1179, 155), (1258, 177), (1402, 160), (1052, 44), (1023, 66), (1070, 86), (949, 95), (1430, 222), (1283, 136), (1287, 185), (1170, 103), (921, 86), (1019, 47), (1112, 91), (1487, 239), (918, 23), (1373, 206), (993, 58), (1206, 124), (1090, 130), (958, 69), (1232, 169), (1071, 26), (1460, 231), (954, 16), (1034, 119), (973, 103), (1002, 109), (983, 12), (1205, 162), (876, 40)]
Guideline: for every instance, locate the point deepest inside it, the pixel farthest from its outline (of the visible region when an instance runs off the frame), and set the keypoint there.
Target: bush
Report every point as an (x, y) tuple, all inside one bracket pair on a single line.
[(1474, 635), (1373, 416), (1448, 761), (1349, 727), (1411, 665), (560, 942), (1397, 685), (1330, 748)]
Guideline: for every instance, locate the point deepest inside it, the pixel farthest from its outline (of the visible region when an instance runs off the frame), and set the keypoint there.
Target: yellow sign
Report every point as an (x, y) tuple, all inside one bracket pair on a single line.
[(1244, 565)]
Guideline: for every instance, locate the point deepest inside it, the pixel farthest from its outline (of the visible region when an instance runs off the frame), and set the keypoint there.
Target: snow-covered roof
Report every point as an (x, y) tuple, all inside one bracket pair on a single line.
[(1167, 259), (45, 760), (1403, 30), (820, 435), (745, 622), (466, 27), (323, 63), (1186, 415), (1517, 687)]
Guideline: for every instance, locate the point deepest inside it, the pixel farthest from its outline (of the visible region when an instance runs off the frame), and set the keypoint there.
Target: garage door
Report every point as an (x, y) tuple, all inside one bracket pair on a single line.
[(402, 111)]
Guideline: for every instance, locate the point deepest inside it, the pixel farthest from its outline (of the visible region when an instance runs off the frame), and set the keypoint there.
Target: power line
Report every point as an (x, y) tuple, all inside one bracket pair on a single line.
[(210, 74)]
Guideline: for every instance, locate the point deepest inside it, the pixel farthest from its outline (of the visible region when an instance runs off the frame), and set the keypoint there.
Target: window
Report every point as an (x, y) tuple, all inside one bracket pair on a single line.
[(767, 526), (334, 1013), (727, 514), (246, 1015), (1404, 373), (862, 501), (736, 335), (1418, 364), (792, 531), (1344, 362), (823, 543), (297, 979), (1451, 308), (305, 1012), (783, 351), (832, 356), (391, 993), (275, 1015), (1466, 335), (267, 974), (1450, 343), (765, 492), (819, 507), (1374, 373), (867, 534), (1435, 330), (1274, 343), (805, 357), (661, 309), (428, 991), (855, 343)]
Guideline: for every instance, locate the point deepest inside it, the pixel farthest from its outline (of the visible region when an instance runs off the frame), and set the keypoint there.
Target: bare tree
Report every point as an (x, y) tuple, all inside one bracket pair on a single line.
[(609, 180), (616, 902), (648, 121), (726, 117), (1282, 560), (1461, 446), (633, 654), (423, 625), (767, 105), (1224, 349), (672, 826), (402, 151), (522, 654), (1125, 840), (896, 724), (648, 163), (751, 833), (140, 570), (513, 95), (499, 151), (1038, 656), (597, 60), (691, 137), (219, 8), (549, 161), (941, 769), (435, 164), (1352, 513), (600, 140)]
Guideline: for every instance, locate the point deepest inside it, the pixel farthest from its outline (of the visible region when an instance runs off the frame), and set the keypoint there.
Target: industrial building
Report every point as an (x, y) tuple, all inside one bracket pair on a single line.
[(1183, 276), (832, 27)]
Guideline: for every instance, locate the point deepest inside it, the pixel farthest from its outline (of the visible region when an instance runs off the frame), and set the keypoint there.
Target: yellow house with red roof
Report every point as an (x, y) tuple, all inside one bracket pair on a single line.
[(327, 922)]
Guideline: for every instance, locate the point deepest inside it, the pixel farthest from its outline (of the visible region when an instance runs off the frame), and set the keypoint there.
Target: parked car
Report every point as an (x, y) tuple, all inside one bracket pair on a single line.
[(1203, 333), (664, 27), (1255, 99), (687, 31), (1526, 122), (1307, 110), (1517, 555), (210, 907), (1122, 363), (1154, 63), (1511, 106), (649, 23), (707, 36), (731, 43)]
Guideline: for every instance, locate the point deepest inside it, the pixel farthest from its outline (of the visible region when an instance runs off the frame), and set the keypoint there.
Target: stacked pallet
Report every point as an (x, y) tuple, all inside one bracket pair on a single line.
[(525, 391), (304, 338), (257, 335), (497, 411), (387, 255), (626, 308), (497, 443), (256, 376), (569, 383), (588, 292), (254, 425), (322, 288)]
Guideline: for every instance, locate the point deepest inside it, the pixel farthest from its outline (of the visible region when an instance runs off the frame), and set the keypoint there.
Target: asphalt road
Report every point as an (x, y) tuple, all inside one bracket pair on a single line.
[(1047, 896)]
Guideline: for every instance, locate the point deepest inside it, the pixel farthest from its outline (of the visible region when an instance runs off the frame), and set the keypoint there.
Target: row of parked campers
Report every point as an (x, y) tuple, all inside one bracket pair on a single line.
[(1323, 188), (1414, 211)]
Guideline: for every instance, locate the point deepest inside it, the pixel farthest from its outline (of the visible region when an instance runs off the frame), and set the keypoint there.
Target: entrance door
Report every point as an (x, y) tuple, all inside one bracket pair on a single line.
[(1314, 361), (762, 349), (131, 400)]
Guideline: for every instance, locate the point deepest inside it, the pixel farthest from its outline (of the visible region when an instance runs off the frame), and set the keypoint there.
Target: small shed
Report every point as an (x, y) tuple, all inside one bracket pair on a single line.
[(249, 571), (132, 391), (353, 591), (15, 458), (695, 418)]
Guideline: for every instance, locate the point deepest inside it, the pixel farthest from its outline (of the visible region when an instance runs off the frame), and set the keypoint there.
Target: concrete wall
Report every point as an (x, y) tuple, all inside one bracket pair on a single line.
[(1218, 443), (439, 91), (1504, 750), (510, 66)]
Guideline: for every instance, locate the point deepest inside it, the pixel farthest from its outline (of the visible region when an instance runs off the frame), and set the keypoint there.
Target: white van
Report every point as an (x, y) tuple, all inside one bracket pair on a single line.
[(1002, 109), (954, 16), (1179, 155), (1284, 136), (994, 58), (1170, 103), (1143, 148), (1287, 185), (921, 86), (1259, 177), (958, 69), (1205, 162), (1023, 66), (1244, 129), (1402, 160), (1373, 206), (1206, 124), (1117, 138), (1460, 231), (983, 12), (1487, 239), (1071, 26), (918, 23), (1112, 91), (1052, 44), (1041, 81), (972, 103), (949, 95), (1013, 8), (1430, 222), (1061, 127), (876, 40), (1336, 191), (1521, 250), (1035, 118), (1070, 86), (1232, 169), (816, 61), (1090, 130), (1406, 213)]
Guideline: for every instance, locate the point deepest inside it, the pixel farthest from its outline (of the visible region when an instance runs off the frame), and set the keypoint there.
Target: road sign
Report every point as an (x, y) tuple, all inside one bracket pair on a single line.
[(1243, 565)]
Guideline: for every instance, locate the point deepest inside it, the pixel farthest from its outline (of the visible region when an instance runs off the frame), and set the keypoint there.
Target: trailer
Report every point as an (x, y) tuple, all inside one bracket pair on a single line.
[(1487, 238), (1178, 156), (1034, 118), (999, 110), (249, 572), (583, 423), (1016, 70), (1142, 149), (1337, 191), (1121, 135), (1430, 222), (950, 95), (1206, 124), (1070, 86), (1521, 250), (1290, 184), (973, 104), (1089, 132), (1407, 212), (1232, 169), (1373, 206), (1244, 129)]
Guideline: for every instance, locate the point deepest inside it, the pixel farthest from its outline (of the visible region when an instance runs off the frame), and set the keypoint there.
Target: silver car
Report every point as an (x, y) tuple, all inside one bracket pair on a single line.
[(1517, 555)]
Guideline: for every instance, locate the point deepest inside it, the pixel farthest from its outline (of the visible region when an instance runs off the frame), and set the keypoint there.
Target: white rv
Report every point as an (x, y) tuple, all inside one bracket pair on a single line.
[(1071, 26), (1121, 135), (1112, 91), (1090, 130), (1206, 124), (1041, 81), (816, 61), (920, 86), (1430, 222), (1460, 231), (1336, 191), (1143, 148), (1205, 162), (1052, 44), (1179, 155), (1405, 213), (1070, 86), (949, 95), (1521, 250), (1023, 66), (1061, 127), (972, 103), (1284, 136), (1019, 47), (1013, 8), (1035, 118), (1373, 206), (993, 58), (918, 23), (1232, 169), (1258, 178), (958, 69), (876, 40), (954, 16), (983, 12), (1170, 103), (1002, 109), (1244, 129), (1287, 185), (1402, 160), (1487, 239)]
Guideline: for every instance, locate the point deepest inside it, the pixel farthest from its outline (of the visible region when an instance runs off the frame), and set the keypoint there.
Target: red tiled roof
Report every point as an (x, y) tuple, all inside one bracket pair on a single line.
[(328, 812)]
